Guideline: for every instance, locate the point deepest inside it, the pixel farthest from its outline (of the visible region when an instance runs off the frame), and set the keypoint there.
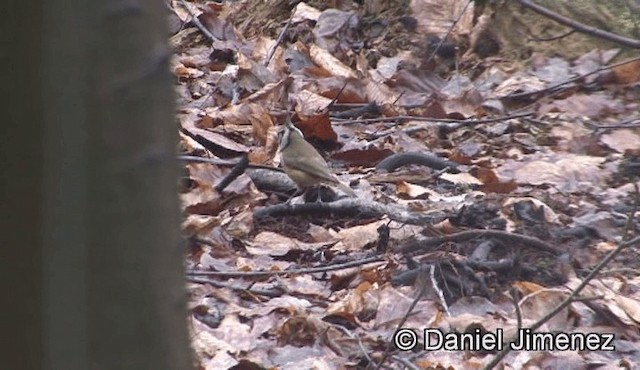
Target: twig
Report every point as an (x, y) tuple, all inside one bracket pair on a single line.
[(224, 162), (554, 38), (577, 78), (428, 119), (263, 292), (400, 95), (237, 170), (273, 48), (199, 24), (434, 284), (219, 162), (593, 31), (515, 297), (333, 101), (311, 270), (435, 50), (607, 127), (370, 109), (422, 288), (356, 338)]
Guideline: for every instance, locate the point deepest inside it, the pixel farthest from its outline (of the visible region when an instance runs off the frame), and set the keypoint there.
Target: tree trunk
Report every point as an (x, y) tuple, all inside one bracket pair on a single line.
[(101, 200)]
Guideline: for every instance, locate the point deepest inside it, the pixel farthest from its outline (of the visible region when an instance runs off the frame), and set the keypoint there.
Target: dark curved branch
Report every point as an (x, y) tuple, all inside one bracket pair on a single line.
[(593, 31), (237, 170), (394, 161)]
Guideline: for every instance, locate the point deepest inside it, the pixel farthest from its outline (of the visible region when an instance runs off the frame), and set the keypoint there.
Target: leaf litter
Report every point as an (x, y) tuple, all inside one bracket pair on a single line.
[(546, 147)]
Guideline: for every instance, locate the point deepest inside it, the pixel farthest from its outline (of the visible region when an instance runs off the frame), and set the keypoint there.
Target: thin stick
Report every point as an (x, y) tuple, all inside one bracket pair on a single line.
[(421, 288), (224, 162), (428, 119), (435, 50), (515, 240), (312, 270), (273, 48), (237, 170), (199, 24)]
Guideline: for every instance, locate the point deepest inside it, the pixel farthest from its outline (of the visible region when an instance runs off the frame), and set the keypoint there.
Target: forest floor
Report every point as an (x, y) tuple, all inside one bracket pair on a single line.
[(495, 183)]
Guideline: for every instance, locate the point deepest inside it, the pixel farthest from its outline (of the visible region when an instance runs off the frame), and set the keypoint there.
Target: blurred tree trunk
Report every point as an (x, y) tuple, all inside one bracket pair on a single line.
[(95, 187), (21, 156)]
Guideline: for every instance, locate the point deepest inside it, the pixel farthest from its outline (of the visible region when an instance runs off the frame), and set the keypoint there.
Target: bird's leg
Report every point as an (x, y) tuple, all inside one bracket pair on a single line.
[(312, 195), (326, 194), (299, 191), (322, 194)]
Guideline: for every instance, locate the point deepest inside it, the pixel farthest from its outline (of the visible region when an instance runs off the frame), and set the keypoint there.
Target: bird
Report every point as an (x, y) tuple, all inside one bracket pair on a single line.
[(302, 162)]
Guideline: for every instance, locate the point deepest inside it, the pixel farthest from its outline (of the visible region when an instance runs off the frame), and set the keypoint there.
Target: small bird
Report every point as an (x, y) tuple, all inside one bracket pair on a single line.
[(302, 162)]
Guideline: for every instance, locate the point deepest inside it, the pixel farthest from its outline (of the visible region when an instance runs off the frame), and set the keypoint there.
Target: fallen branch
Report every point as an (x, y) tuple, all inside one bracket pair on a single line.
[(348, 207), (593, 31), (310, 270)]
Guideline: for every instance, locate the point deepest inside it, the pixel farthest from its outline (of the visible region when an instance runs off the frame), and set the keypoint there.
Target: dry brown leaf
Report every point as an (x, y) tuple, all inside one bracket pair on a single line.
[(240, 226), (461, 178), (214, 138), (593, 105), (309, 103), (622, 140), (270, 243), (325, 60), (321, 234), (630, 306), (408, 190), (519, 82), (549, 215), (435, 17), (380, 94), (199, 224), (357, 237), (537, 304), (187, 72), (526, 287), (317, 127), (568, 172), (303, 11), (627, 73)]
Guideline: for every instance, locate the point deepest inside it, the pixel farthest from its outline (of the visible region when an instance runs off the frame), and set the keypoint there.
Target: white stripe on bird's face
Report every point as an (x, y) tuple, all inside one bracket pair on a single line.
[(289, 130)]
